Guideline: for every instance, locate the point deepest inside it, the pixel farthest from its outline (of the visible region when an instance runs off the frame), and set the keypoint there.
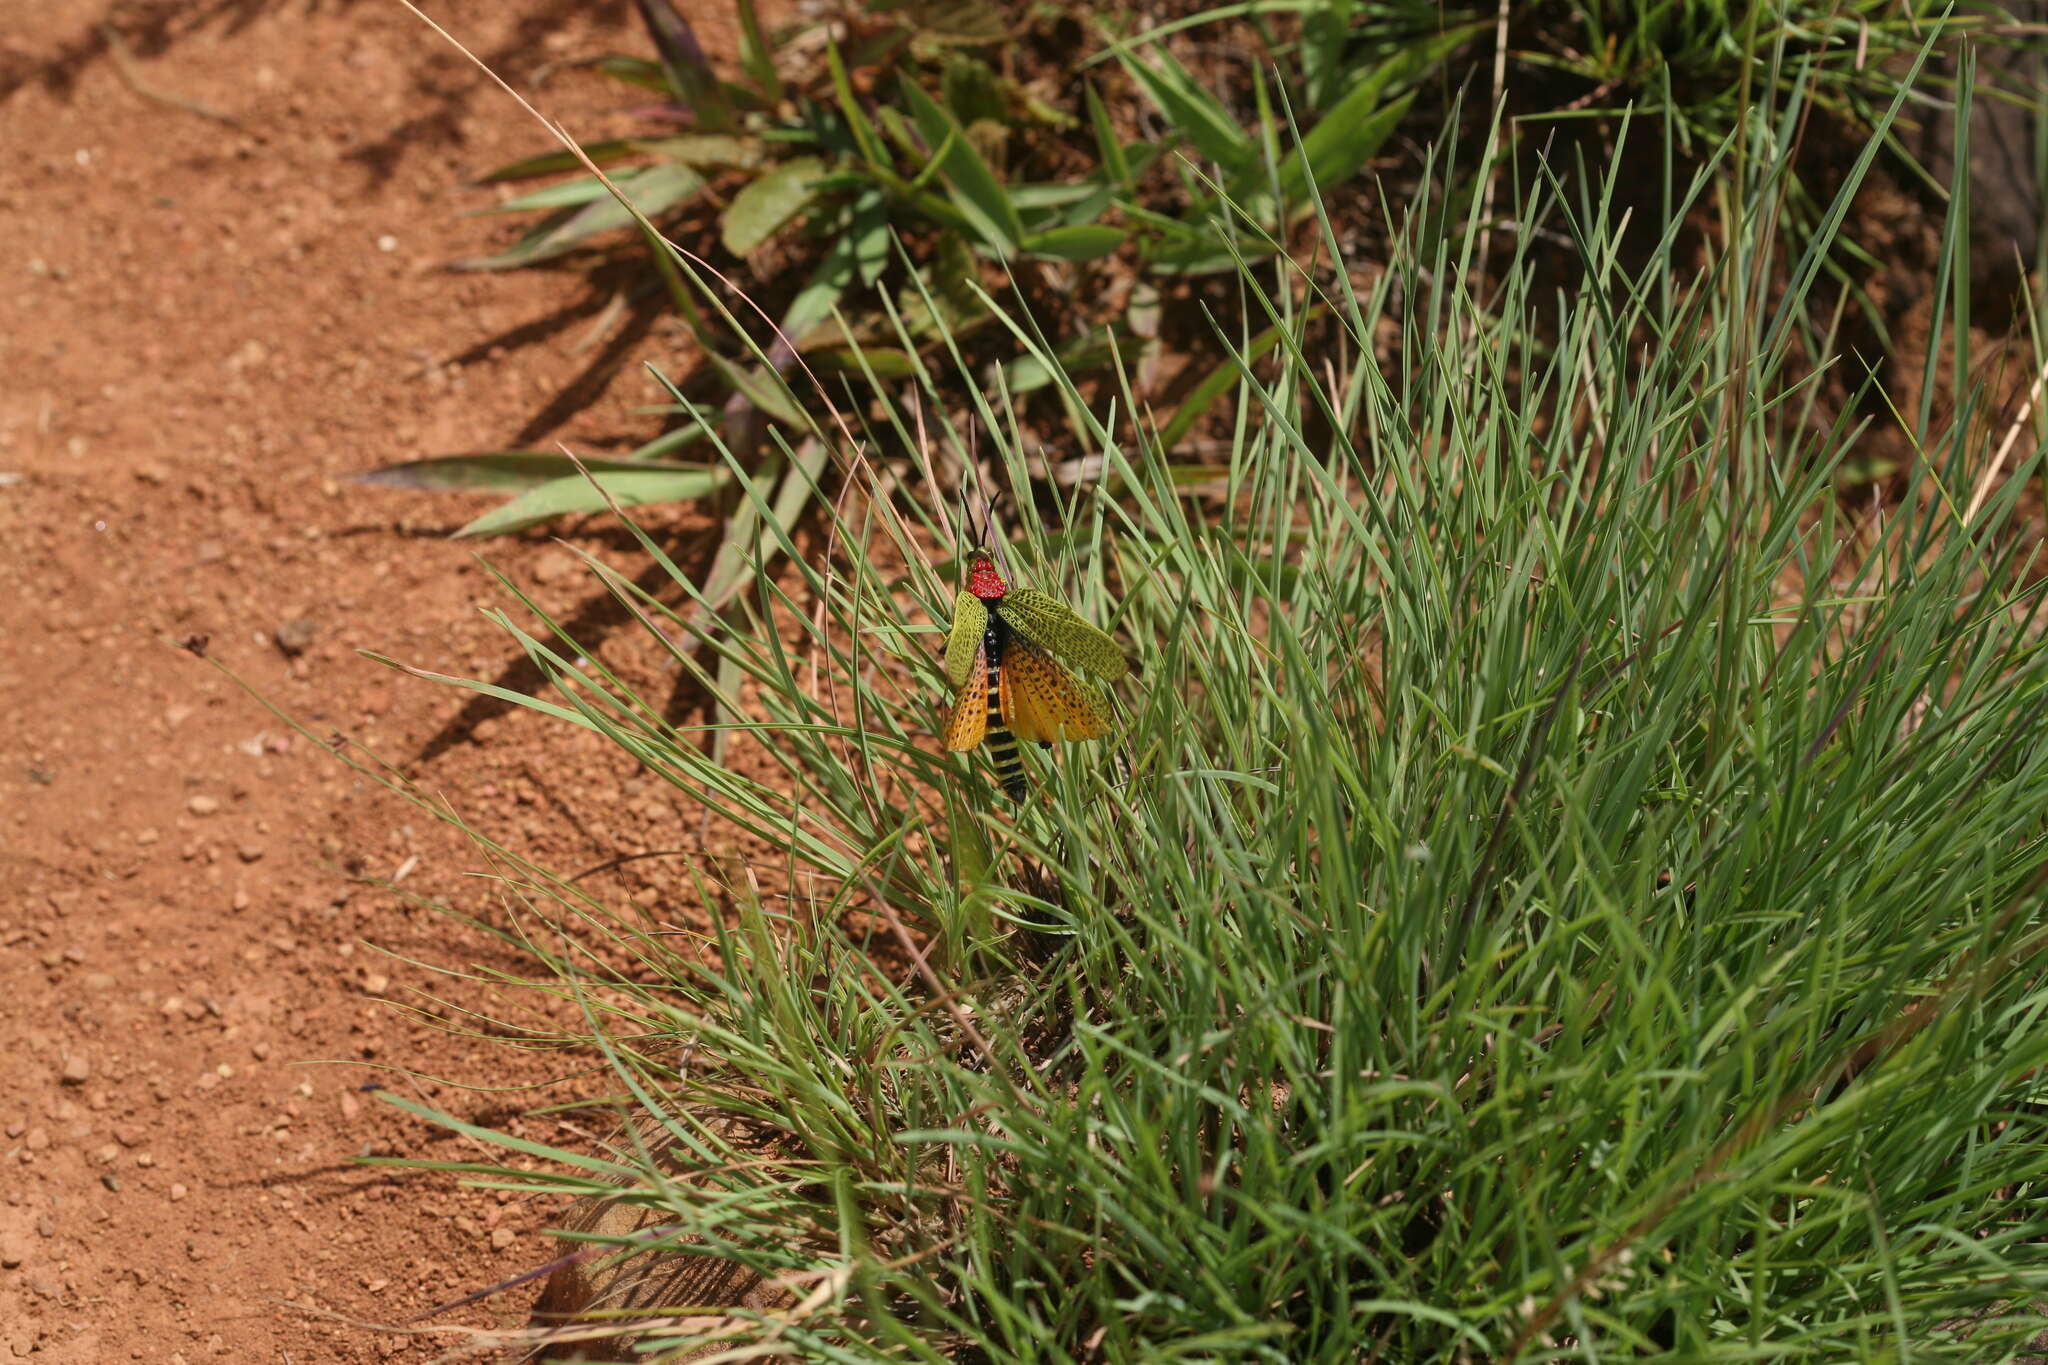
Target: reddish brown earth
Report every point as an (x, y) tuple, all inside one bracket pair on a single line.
[(206, 326)]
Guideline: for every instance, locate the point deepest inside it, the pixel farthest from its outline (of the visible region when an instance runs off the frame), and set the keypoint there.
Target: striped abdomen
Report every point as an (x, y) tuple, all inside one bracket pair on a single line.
[(1002, 745)]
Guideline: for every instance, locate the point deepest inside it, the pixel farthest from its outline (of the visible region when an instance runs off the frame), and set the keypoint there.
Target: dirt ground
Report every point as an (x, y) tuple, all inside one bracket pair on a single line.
[(221, 240)]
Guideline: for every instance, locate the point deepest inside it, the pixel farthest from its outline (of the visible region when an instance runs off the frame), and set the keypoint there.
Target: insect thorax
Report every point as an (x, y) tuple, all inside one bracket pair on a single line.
[(984, 581)]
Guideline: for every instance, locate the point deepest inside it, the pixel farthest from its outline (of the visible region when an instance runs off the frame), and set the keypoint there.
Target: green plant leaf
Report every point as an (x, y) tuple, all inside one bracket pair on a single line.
[(505, 471), (628, 488), (1216, 383), (1107, 145), (1030, 197), (850, 108), (706, 149), (554, 163), (888, 362), (869, 233), (965, 22), (975, 190), (970, 90), (764, 390), (1081, 243), (1325, 32), (1338, 148), (635, 71), (1093, 350), (757, 58), (1194, 113), (814, 303), (567, 194), (683, 62), (1355, 128), (655, 190), (766, 204)]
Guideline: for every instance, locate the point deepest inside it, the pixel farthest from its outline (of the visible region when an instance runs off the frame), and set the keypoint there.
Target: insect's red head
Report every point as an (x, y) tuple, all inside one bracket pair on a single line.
[(982, 579)]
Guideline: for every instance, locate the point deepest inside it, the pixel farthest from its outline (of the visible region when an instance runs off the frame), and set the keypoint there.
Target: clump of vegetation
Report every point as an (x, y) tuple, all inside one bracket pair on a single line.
[(884, 167), (1567, 887), (889, 160)]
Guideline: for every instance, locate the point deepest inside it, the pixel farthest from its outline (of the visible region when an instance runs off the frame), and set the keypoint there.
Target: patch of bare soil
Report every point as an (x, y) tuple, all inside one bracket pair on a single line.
[(221, 233)]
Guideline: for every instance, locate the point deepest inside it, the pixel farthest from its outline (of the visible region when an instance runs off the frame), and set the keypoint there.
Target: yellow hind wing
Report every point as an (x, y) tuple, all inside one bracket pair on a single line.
[(1042, 701), (967, 726)]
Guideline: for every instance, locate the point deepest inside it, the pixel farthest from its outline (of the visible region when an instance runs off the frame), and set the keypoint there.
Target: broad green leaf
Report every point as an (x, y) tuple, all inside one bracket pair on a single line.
[(766, 204), (635, 71), (567, 194), (888, 362), (1081, 243), (628, 488), (554, 163), (764, 390), (655, 190), (1030, 197), (1353, 129), (976, 191), (1193, 111), (509, 471), (1338, 148), (706, 149)]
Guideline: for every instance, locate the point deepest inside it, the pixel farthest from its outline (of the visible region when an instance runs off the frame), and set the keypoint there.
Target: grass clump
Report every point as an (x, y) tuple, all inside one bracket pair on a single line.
[(1569, 887)]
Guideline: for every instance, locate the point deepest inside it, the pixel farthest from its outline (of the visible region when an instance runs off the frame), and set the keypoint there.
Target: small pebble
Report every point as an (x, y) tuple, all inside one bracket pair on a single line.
[(76, 1070), (178, 1192), (203, 805), (295, 637), (503, 1237), (249, 853)]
